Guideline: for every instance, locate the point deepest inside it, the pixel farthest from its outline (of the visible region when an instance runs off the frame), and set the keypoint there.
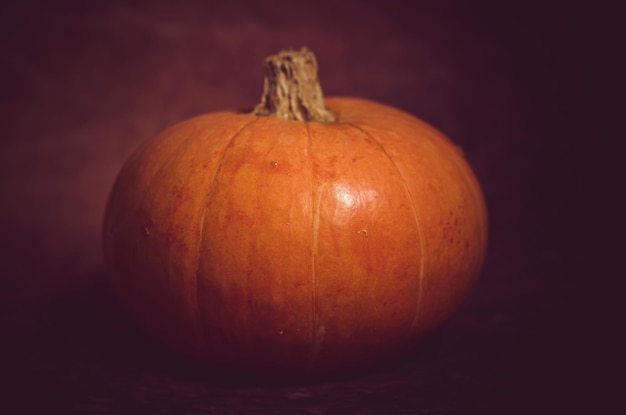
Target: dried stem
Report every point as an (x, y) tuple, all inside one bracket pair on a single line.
[(291, 88)]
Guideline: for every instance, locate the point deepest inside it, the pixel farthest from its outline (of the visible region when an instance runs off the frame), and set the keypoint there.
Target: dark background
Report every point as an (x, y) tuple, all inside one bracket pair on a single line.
[(82, 83)]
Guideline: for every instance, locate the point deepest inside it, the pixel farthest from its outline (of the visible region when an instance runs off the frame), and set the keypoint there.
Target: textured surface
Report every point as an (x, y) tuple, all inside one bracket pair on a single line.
[(83, 83), (289, 246)]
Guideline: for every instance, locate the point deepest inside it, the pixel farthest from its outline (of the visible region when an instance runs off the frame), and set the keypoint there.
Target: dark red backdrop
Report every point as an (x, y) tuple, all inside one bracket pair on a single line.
[(82, 83)]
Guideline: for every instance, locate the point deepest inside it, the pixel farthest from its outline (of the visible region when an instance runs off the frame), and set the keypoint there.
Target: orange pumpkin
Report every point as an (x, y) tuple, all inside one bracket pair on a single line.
[(308, 236)]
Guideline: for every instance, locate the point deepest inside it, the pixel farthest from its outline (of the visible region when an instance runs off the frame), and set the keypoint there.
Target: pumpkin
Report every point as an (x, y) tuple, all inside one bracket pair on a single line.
[(309, 236)]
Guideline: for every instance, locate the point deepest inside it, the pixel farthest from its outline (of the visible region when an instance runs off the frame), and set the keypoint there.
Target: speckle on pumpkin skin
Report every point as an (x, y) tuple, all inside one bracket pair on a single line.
[(364, 232)]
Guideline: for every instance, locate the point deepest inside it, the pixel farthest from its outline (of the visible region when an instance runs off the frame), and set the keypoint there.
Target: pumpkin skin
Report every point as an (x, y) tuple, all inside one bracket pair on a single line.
[(274, 245)]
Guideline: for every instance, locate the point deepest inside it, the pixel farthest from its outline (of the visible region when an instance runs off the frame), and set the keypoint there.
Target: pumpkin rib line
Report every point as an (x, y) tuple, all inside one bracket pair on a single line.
[(201, 222), (418, 223), (314, 245), (472, 183), (153, 181)]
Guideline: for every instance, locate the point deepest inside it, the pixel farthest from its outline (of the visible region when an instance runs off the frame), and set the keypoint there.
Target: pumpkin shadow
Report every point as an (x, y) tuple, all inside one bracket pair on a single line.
[(89, 328)]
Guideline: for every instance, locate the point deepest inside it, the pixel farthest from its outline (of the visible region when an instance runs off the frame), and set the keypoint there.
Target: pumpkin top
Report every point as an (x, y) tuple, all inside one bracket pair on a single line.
[(291, 89)]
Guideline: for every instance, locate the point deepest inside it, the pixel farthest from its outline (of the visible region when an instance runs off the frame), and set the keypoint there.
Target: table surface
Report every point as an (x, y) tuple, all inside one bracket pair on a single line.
[(84, 82)]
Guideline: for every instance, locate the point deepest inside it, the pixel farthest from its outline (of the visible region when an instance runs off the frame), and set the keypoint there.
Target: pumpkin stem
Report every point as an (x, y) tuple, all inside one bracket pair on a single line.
[(291, 89)]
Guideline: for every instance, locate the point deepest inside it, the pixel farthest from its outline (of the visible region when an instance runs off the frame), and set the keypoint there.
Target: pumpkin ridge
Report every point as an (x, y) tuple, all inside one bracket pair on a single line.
[(415, 216), (315, 213), (201, 224), (169, 158)]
